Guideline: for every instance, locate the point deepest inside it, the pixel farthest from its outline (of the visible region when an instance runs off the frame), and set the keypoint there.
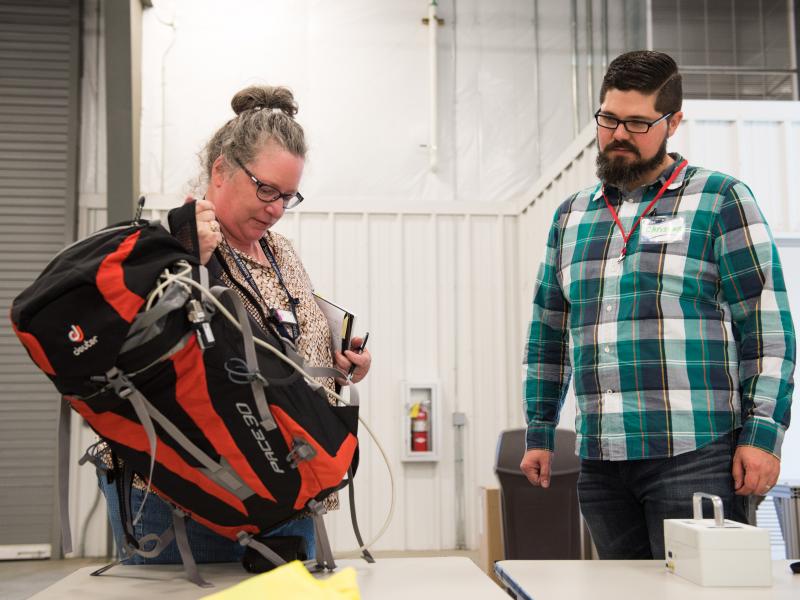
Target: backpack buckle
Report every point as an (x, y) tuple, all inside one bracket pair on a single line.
[(119, 382), (199, 319), (301, 450)]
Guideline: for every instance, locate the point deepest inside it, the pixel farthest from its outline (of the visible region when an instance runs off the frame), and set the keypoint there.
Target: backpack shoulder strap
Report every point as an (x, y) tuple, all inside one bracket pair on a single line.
[(182, 224), (182, 540), (64, 427), (365, 553)]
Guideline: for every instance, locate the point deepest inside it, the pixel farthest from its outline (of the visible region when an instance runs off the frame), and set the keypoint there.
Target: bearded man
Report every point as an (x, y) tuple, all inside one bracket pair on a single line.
[(662, 294)]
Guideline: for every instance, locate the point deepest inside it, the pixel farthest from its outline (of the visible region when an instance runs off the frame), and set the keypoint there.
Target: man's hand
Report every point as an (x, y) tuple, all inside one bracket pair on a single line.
[(754, 471), (536, 466)]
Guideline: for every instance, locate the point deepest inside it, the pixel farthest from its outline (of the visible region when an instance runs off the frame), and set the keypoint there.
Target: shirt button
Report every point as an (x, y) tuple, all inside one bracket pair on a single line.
[(609, 392), (607, 348), (608, 308)]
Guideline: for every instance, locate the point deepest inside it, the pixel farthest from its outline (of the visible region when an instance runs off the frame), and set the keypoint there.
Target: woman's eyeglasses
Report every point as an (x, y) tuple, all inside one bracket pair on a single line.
[(267, 193)]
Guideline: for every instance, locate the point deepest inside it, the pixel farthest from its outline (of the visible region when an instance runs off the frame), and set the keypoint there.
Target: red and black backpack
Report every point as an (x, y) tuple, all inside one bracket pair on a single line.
[(217, 414)]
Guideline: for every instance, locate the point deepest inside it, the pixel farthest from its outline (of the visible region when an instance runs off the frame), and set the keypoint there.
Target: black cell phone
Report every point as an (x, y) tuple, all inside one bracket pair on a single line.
[(795, 567)]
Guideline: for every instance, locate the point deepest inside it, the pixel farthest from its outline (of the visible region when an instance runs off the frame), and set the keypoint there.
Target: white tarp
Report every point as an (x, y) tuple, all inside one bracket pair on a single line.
[(359, 71)]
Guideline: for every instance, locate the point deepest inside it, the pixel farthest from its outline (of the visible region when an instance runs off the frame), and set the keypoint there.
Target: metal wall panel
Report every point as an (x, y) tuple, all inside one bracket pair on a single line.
[(38, 107)]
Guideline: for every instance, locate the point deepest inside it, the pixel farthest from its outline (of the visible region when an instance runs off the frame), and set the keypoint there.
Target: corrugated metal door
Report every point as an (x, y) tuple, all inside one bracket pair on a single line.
[(39, 70)]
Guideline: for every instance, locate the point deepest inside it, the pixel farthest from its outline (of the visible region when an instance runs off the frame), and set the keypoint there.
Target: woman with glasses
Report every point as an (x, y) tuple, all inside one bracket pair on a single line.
[(253, 166)]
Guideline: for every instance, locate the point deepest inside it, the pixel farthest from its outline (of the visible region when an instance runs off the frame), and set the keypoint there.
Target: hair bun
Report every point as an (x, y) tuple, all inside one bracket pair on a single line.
[(264, 97)]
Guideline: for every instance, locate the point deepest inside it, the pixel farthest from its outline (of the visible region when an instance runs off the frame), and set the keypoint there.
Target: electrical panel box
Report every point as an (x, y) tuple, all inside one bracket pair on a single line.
[(421, 429)]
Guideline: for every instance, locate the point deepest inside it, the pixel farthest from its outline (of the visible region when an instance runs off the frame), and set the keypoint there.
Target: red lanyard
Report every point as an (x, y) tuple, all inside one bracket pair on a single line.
[(627, 236)]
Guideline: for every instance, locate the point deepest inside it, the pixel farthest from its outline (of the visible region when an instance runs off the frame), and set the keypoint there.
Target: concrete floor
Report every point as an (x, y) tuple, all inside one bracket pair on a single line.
[(20, 579)]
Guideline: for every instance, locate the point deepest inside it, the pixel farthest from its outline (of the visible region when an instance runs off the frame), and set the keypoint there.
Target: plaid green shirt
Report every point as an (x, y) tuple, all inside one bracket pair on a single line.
[(676, 345)]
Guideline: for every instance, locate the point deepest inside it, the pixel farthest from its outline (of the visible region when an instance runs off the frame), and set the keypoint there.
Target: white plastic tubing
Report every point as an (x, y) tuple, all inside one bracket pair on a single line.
[(433, 142)]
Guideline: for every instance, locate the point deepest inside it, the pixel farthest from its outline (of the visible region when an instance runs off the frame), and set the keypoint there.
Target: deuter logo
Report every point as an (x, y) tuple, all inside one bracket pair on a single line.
[(85, 346), (75, 334), (258, 433)]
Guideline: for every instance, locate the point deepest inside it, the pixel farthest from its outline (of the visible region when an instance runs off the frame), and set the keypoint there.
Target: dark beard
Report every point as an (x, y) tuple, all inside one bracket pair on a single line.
[(616, 172)]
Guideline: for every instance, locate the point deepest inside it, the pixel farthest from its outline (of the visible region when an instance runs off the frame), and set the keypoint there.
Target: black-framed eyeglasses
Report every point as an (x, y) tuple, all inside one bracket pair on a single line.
[(267, 193), (631, 125)]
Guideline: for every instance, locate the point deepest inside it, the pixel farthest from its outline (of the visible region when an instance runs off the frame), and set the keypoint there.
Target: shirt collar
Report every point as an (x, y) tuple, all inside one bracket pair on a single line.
[(662, 178)]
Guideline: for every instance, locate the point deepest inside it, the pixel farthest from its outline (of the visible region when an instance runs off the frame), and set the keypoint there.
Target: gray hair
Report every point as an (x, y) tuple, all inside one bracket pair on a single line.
[(264, 115)]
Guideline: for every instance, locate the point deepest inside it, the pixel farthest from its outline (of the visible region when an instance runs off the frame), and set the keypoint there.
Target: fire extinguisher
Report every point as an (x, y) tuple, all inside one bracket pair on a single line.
[(420, 428)]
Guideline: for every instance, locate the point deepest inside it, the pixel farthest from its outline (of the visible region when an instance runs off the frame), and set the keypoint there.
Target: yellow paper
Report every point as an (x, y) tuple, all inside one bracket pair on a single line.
[(415, 410), (292, 581)]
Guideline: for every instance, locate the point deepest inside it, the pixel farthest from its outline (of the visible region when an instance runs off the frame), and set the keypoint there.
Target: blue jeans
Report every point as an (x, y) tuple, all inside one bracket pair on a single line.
[(625, 502), (206, 545)]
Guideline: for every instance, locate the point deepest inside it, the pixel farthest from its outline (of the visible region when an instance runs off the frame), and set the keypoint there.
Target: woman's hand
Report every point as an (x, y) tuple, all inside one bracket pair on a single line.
[(352, 357), (208, 232)]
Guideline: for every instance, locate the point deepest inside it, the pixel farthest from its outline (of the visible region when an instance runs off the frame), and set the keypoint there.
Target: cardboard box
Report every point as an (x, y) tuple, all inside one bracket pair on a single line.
[(491, 531)]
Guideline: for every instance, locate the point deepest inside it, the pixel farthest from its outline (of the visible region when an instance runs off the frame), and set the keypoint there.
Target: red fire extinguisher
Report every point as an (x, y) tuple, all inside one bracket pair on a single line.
[(420, 429)]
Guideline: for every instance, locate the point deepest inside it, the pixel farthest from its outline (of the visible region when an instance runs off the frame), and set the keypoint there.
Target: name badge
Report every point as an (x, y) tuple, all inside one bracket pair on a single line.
[(662, 230), (286, 317)]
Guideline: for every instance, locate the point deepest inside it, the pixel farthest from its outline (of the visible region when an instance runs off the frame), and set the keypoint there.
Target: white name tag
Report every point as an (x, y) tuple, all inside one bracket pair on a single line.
[(286, 316), (662, 230)]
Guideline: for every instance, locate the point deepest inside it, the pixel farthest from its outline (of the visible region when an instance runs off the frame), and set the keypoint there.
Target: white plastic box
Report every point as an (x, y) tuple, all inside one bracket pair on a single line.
[(717, 552)]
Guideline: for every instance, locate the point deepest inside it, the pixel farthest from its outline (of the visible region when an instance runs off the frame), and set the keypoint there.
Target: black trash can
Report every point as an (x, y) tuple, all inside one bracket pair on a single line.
[(540, 523)]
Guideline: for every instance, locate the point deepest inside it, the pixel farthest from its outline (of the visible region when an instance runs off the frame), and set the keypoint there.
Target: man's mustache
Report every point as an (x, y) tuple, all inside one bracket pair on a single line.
[(618, 145)]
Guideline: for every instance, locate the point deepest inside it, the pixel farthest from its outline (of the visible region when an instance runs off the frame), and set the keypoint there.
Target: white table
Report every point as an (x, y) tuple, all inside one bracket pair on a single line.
[(386, 579), (622, 579)]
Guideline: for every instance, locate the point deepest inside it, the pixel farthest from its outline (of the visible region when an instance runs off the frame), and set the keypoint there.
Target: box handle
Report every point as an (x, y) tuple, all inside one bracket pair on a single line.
[(697, 503)]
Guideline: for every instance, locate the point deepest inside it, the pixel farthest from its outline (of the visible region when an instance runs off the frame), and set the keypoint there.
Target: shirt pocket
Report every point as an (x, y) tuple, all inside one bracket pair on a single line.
[(683, 268), (660, 267)]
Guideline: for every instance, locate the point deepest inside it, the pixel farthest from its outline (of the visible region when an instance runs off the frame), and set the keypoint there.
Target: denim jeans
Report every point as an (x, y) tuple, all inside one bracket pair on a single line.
[(206, 545), (625, 502)]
